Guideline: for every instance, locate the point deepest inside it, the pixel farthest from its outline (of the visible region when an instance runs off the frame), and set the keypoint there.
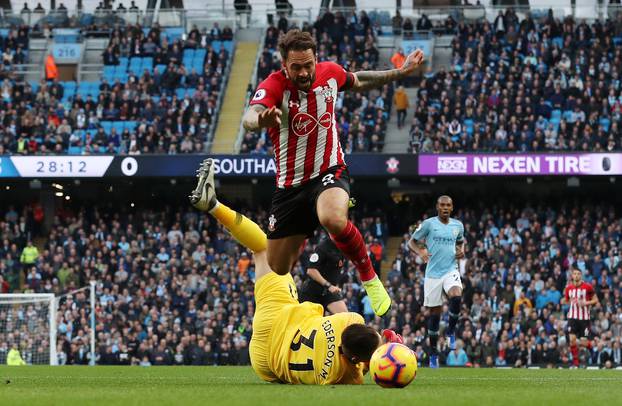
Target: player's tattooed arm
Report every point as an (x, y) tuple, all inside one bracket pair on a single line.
[(366, 80), (258, 116)]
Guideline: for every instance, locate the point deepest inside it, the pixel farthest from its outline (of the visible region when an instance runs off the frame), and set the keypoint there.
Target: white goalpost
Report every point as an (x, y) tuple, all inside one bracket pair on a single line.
[(28, 321)]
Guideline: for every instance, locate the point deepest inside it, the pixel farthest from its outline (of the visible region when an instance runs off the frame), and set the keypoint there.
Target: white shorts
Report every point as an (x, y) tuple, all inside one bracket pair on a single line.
[(433, 289)]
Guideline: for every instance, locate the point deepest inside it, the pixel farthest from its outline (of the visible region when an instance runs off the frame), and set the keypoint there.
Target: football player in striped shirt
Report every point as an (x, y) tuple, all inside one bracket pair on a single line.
[(297, 106), (580, 296)]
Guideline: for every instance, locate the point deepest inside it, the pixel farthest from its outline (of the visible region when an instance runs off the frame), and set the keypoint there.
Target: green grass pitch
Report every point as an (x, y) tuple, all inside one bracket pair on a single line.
[(227, 386)]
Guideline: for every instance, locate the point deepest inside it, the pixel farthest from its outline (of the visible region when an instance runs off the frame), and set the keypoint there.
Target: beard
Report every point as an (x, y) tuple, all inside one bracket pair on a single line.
[(304, 83)]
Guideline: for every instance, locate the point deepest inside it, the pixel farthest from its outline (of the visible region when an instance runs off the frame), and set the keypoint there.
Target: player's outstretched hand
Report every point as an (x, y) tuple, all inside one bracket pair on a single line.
[(270, 118), (391, 336), (412, 61)]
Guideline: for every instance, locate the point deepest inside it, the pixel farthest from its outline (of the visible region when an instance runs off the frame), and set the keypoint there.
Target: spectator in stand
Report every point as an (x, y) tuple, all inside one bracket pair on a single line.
[(136, 101), (400, 99), (531, 87), (408, 29), (424, 23), (457, 357)]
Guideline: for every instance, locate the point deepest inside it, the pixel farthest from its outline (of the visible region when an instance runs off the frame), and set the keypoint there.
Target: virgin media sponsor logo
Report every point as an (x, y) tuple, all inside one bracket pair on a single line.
[(304, 123)]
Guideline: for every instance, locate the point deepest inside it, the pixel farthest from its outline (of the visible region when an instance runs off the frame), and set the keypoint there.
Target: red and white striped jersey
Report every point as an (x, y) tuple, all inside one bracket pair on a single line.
[(306, 144), (573, 294)]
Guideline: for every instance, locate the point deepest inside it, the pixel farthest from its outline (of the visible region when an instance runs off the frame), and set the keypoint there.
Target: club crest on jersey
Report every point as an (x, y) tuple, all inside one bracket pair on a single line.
[(454, 232), (304, 123), (271, 222), (327, 92)]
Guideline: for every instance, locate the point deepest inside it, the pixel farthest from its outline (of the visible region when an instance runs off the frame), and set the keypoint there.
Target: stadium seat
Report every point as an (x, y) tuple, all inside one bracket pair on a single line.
[(135, 64), (130, 125), (217, 45), (109, 70), (604, 122), (197, 65), (559, 41), (173, 33), (228, 45), (119, 126), (107, 126)]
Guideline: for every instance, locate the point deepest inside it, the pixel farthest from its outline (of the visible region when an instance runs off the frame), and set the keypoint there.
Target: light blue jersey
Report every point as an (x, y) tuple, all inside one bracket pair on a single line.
[(440, 240)]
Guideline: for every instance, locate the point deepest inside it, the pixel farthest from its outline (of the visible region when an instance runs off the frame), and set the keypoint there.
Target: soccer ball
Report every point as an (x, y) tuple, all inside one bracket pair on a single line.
[(393, 365)]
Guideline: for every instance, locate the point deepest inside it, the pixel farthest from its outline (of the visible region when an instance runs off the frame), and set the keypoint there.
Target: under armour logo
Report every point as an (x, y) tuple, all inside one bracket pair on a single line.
[(293, 104), (328, 179), (271, 222)]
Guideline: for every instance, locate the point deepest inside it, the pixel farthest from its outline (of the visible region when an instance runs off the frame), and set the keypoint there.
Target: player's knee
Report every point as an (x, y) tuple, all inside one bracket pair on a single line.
[(454, 292), (334, 223)]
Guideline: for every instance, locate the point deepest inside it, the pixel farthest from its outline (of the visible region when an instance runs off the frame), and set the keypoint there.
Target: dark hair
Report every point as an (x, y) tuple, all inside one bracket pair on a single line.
[(296, 40), (360, 341)]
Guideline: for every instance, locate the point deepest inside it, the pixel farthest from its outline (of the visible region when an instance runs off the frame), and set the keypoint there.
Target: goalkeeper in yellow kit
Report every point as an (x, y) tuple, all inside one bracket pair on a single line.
[(292, 342)]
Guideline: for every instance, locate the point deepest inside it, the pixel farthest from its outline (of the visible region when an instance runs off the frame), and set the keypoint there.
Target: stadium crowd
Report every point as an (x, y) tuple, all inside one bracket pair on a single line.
[(518, 263), (526, 86), (349, 40), (173, 288), (158, 94)]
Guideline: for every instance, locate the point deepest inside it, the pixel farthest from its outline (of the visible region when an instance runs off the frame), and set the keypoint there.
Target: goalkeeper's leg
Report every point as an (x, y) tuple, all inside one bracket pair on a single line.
[(244, 230)]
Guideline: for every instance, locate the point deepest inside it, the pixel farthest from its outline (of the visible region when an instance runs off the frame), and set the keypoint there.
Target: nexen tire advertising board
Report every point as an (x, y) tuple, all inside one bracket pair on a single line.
[(570, 164)]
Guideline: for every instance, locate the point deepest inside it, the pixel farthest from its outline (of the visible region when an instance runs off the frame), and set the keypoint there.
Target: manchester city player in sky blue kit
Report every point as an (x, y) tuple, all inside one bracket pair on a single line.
[(439, 241)]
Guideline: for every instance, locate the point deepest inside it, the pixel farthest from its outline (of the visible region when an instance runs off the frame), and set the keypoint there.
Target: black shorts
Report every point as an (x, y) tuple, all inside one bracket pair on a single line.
[(313, 292), (580, 328), (293, 210)]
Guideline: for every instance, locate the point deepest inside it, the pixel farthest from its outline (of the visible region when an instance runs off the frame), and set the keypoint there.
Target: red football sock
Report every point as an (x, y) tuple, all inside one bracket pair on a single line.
[(574, 350), (350, 242)]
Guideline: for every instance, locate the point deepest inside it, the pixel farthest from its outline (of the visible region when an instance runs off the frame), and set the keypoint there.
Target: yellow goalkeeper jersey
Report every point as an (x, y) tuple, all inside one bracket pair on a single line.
[(304, 346)]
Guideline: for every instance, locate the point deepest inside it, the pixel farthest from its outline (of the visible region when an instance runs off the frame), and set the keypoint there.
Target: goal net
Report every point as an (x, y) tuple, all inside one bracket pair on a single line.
[(28, 321)]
